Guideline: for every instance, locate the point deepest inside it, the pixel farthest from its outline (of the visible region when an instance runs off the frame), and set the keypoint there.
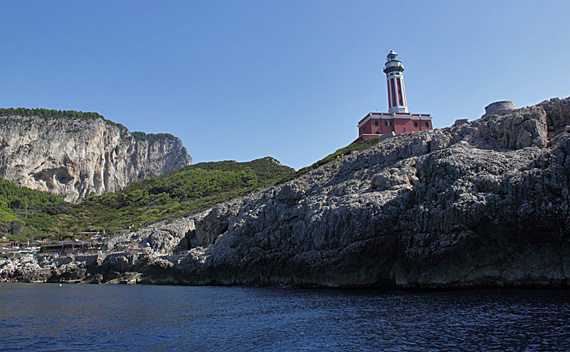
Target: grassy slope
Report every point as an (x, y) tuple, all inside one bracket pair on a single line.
[(190, 188), (29, 206), (337, 154)]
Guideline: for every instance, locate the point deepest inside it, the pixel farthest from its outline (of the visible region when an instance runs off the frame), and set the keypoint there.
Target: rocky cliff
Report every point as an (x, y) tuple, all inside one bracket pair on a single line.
[(74, 157), (481, 204)]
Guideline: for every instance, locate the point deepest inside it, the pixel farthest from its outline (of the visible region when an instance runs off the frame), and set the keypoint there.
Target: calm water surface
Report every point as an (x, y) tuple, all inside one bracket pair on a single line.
[(49, 317)]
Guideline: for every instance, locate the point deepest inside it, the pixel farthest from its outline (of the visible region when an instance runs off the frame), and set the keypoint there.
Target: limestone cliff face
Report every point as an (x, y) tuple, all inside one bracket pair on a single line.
[(485, 203), (481, 204), (74, 157)]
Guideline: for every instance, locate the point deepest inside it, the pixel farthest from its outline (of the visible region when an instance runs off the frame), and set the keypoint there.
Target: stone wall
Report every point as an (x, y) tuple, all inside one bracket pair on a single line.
[(500, 106)]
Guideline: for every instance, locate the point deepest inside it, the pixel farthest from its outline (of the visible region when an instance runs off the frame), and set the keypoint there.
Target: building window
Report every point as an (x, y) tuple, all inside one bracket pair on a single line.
[(364, 129), (427, 124), (377, 132), (375, 123), (415, 123), (388, 123), (404, 129)]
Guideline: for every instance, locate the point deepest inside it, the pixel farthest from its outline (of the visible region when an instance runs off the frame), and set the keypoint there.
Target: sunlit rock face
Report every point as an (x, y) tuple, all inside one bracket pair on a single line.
[(484, 203), (480, 204), (75, 157)]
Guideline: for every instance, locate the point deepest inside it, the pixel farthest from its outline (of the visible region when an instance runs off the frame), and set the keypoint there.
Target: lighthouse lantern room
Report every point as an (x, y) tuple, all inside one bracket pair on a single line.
[(398, 119)]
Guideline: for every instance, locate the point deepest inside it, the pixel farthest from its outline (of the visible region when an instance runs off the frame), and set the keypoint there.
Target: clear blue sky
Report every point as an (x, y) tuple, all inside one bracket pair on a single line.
[(239, 80)]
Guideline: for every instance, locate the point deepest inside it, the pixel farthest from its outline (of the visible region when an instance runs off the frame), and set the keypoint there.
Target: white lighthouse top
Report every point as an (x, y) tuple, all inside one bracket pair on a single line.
[(392, 56), (392, 63)]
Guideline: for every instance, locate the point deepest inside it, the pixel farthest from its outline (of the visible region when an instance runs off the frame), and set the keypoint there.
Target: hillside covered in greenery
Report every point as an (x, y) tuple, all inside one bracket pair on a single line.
[(190, 188), (33, 208), (187, 189)]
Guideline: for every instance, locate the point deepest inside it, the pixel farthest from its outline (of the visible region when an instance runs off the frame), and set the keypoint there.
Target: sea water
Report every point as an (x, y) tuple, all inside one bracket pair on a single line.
[(53, 317)]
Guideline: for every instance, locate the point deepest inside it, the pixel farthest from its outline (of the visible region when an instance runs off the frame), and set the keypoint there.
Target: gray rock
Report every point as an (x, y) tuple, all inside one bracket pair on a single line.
[(77, 157), (500, 107), (29, 271), (12, 227), (460, 122), (120, 262), (481, 204)]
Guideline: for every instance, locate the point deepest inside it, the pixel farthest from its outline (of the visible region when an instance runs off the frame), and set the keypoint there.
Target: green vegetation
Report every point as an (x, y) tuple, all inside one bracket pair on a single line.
[(338, 154), (33, 208), (151, 137), (5, 213), (18, 197), (187, 189), (190, 188), (50, 113)]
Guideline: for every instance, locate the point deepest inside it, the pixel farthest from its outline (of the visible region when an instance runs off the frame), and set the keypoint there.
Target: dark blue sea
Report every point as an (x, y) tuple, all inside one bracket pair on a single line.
[(50, 317)]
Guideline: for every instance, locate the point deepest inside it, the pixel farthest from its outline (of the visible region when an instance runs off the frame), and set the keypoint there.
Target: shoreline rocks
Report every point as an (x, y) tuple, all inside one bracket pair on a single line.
[(480, 204)]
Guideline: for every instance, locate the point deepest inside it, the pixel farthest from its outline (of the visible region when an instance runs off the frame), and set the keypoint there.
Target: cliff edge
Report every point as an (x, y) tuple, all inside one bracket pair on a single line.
[(481, 204), (74, 157)]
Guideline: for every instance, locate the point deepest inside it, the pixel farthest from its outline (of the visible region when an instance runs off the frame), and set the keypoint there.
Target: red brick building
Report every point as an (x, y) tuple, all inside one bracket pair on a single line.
[(397, 119)]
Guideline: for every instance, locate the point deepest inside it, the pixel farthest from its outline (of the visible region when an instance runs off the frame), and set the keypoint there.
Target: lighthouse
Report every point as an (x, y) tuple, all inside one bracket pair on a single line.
[(394, 71), (398, 119)]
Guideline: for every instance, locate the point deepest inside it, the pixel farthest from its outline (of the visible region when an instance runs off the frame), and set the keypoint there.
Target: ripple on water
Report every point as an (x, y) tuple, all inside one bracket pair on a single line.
[(46, 317)]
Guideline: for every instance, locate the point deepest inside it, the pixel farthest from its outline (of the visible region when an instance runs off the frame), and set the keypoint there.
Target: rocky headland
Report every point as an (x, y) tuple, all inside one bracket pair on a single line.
[(479, 204), (75, 157)]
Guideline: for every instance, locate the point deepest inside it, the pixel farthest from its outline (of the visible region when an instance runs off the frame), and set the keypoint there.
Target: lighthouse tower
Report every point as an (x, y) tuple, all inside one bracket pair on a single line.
[(398, 119), (394, 71)]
